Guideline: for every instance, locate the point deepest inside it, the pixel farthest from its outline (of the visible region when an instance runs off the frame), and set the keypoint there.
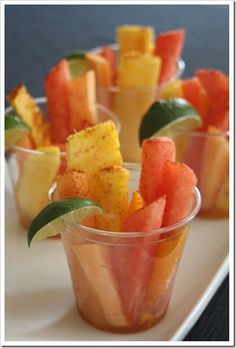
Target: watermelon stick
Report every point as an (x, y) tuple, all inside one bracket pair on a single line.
[(133, 263)]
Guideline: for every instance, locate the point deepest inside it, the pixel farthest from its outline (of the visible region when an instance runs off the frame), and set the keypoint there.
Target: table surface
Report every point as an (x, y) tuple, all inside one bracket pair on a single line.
[(38, 35)]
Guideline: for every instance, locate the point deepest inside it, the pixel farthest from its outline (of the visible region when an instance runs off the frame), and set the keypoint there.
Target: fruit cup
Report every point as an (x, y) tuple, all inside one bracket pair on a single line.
[(32, 172), (208, 155), (130, 104), (123, 280)]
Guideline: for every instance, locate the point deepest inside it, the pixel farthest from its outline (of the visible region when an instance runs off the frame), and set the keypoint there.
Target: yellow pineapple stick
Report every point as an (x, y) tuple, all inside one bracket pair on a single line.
[(94, 149), (109, 187), (138, 76), (135, 38), (25, 107), (38, 172)]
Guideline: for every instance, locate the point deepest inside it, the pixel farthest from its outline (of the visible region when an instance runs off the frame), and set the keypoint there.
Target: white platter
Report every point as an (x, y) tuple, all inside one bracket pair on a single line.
[(39, 302)]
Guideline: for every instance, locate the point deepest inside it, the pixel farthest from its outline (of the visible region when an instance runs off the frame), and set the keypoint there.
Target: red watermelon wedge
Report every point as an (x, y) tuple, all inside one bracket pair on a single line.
[(178, 182), (169, 46), (194, 93), (56, 91), (155, 152), (216, 84), (133, 264)]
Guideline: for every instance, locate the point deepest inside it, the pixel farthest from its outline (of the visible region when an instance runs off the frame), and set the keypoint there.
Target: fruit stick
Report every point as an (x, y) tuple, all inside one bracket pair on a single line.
[(107, 53), (169, 47), (85, 147), (177, 183), (25, 107), (109, 187), (215, 160), (57, 93), (194, 93), (133, 263), (138, 70), (82, 101), (130, 105), (72, 183), (216, 85), (95, 261), (173, 89), (37, 176), (102, 69), (134, 38), (86, 295), (155, 152), (136, 203), (167, 256)]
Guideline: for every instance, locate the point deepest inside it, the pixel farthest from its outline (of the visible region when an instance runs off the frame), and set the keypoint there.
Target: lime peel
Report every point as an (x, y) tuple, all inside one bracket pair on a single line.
[(164, 116), (51, 219), (15, 129)]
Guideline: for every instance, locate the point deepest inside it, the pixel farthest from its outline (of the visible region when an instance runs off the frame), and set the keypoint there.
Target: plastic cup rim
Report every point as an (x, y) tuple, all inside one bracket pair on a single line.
[(114, 46), (42, 100), (126, 235)]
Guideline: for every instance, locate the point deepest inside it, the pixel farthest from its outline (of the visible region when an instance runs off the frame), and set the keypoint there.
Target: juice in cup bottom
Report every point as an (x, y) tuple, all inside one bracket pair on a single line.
[(208, 155), (123, 281), (33, 172)]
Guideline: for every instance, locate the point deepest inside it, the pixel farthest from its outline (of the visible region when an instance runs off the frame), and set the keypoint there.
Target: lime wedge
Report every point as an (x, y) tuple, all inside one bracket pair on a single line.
[(77, 63), (15, 129), (51, 219), (165, 116)]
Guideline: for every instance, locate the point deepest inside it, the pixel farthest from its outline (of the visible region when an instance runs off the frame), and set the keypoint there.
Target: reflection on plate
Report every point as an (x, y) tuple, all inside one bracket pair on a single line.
[(40, 303)]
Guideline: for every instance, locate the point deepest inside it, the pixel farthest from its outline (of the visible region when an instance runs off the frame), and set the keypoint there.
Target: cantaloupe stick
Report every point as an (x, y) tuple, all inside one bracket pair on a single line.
[(215, 161), (102, 69), (82, 101), (86, 295), (136, 203), (168, 254), (95, 261), (72, 183)]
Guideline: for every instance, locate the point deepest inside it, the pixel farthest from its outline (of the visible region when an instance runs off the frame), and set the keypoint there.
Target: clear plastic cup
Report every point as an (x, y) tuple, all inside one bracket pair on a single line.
[(33, 172), (123, 281), (208, 155), (130, 105)]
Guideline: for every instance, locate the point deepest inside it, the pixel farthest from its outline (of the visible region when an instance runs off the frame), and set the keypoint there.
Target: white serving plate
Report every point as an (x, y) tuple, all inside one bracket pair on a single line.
[(39, 302)]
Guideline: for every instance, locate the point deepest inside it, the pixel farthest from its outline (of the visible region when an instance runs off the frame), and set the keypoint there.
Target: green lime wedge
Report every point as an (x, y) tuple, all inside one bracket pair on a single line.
[(165, 116), (15, 129), (77, 63), (51, 219)]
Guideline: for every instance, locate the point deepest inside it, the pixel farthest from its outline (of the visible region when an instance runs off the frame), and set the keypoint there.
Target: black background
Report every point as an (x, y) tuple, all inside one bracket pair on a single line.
[(36, 36)]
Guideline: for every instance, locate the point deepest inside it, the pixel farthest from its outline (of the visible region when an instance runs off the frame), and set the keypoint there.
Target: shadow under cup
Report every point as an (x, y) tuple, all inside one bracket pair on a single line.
[(208, 155), (33, 172), (123, 281)]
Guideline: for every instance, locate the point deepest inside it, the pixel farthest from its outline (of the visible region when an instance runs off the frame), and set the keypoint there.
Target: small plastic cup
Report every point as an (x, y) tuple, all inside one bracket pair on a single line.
[(33, 172), (208, 155), (123, 281), (130, 105)]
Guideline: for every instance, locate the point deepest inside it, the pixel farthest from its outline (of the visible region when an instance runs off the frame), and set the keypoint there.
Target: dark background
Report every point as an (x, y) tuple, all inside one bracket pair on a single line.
[(36, 36)]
